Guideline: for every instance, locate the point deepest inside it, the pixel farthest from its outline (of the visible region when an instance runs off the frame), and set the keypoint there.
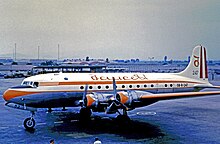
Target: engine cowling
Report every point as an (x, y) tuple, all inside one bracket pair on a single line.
[(98, 101), (129, 97)]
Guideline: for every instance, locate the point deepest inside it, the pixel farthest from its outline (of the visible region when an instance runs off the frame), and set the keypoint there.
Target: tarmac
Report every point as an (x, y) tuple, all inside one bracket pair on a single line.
[(182, 121)]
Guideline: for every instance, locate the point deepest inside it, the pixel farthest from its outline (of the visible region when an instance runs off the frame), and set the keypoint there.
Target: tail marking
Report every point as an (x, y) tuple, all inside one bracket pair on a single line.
[(206, 69), (201, 64), (197, 67)]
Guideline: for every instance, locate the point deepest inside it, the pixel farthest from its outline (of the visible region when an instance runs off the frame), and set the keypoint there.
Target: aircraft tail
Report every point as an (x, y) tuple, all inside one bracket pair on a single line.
[(197, 67)]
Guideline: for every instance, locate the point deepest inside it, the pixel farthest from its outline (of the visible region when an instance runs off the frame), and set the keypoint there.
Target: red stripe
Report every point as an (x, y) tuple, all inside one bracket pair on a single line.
[(201, 64), (206, 69)]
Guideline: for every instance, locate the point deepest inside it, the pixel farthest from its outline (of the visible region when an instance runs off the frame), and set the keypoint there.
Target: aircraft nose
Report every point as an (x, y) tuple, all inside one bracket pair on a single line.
[(14, 92), (6, 95)]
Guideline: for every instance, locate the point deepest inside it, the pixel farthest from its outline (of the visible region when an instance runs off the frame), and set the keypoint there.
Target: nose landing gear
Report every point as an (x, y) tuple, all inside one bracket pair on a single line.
[(29, 123)]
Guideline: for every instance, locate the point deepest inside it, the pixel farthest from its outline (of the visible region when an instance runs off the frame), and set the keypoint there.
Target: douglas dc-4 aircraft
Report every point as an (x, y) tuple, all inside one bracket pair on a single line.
[(109, 92)]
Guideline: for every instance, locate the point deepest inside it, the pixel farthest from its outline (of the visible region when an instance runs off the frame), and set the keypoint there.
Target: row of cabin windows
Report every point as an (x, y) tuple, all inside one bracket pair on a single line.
[(35, 84), (123, 86)]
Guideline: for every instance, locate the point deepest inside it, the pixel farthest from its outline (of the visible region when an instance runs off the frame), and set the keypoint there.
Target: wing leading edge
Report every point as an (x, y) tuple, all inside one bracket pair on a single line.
[(169, 96)]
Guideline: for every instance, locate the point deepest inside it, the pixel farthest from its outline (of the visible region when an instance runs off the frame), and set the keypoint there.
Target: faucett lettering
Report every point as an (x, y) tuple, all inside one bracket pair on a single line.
[(133, 77)]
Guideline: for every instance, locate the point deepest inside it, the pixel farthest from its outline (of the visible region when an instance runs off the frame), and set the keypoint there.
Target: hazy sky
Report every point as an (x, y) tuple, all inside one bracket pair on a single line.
[(117, 29)]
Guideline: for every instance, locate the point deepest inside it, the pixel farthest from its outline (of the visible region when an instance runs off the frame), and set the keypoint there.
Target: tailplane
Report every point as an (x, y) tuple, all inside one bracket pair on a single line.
[(197, 68)]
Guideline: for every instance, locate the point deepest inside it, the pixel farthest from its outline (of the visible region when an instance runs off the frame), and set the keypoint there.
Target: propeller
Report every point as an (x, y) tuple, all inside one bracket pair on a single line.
[(84, 103), (114, 88), (115, 104)]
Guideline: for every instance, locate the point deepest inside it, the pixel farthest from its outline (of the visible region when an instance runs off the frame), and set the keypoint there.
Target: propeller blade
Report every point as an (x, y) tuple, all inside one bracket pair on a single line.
[(116, 101), (84, 95), (114, 88), (112, 108)]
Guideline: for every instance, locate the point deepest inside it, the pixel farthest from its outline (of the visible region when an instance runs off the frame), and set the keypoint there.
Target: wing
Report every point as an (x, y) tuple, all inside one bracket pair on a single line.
[(168, 96)]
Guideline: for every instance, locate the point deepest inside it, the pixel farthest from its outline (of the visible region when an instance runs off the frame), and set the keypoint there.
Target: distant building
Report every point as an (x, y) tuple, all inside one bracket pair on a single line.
[(6, 60)]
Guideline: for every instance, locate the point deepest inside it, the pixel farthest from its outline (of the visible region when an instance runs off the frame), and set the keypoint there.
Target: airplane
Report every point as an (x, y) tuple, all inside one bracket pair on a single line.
[(109, 92)]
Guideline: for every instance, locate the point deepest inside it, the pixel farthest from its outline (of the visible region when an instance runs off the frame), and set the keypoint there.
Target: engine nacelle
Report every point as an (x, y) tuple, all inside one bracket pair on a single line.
[(101, 102), (98, 101), (129, 97)]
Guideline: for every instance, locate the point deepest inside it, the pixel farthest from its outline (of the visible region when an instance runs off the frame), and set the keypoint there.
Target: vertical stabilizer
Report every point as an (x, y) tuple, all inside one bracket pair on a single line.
[(197, 68)]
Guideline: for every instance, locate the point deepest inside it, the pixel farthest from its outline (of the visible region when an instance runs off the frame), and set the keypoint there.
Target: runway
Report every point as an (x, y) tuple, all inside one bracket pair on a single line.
[(194, 120)]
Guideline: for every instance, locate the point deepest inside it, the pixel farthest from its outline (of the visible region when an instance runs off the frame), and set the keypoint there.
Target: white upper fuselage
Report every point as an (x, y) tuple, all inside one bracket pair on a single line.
[(103, 81)]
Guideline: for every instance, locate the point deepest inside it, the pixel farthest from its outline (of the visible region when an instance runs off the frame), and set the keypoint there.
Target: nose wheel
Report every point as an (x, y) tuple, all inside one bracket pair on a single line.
[(29, 123)]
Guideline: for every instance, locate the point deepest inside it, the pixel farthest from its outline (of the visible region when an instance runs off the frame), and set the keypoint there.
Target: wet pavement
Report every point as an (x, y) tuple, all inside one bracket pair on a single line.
[(195, 120)]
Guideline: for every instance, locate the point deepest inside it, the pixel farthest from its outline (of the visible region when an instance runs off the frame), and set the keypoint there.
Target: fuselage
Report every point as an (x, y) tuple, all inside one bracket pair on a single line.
[(66, 89)]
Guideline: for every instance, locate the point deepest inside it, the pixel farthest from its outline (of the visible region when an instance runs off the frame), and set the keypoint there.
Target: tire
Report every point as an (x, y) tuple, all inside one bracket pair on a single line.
[(85, 114), (29, 123), (123, 119)]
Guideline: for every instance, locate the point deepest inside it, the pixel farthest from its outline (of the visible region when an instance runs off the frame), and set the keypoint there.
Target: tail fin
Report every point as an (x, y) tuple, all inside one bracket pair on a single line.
[(197, 68)]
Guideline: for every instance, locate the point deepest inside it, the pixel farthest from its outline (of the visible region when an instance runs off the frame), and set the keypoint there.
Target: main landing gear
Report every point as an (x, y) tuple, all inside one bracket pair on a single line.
[(29, 123), (85, 114), (123, 118)]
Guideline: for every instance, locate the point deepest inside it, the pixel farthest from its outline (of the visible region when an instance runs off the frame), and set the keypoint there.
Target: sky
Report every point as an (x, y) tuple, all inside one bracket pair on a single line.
[(114, 29)]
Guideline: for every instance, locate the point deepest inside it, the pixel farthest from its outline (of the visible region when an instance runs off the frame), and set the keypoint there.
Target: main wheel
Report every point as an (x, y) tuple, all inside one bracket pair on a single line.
[(85, 114), (122, 118), (29, 123)]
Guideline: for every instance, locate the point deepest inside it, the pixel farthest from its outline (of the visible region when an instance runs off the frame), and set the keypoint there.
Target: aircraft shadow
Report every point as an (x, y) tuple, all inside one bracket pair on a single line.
[(130, 130)]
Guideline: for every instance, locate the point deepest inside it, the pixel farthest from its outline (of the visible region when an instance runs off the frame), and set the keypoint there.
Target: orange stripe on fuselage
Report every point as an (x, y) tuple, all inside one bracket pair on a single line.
[(48, 83), (9, 94)]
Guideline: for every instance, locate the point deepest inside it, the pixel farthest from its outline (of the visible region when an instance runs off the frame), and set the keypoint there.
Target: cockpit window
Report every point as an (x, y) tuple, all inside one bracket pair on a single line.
[(35, 84), (25, 83), (30, 83)]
